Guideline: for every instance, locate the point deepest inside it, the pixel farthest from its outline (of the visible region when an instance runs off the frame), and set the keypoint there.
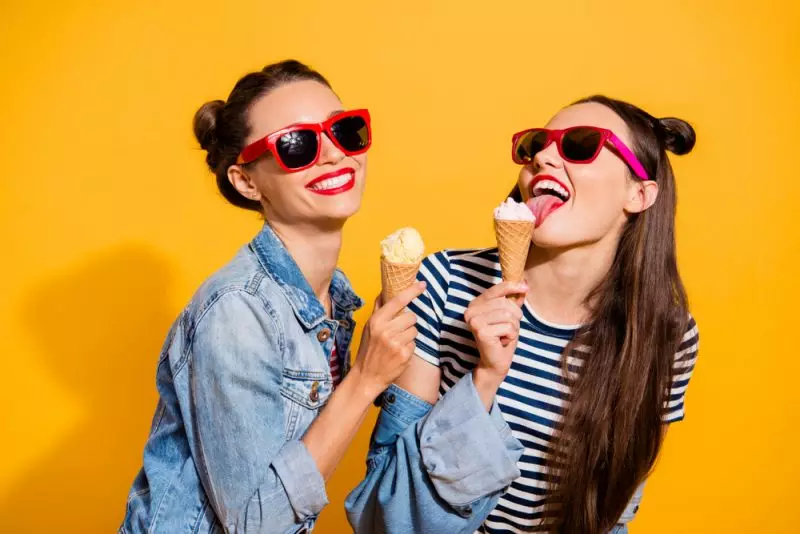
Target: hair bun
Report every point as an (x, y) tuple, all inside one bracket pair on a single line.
[(205, 123), (678, 135)]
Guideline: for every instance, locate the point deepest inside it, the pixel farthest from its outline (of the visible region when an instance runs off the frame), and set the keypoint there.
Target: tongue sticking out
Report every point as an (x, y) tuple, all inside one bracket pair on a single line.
[(544, 205)]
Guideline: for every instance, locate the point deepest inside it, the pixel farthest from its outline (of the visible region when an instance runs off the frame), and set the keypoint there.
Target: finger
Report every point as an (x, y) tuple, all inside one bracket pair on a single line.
[(496, 331), (402, 322), (510, 338), (476, 323), (490, 306), (505, 289), (396, 304), (499, 316), (406, 337), (514, 307), (494, 305), (481, 306)]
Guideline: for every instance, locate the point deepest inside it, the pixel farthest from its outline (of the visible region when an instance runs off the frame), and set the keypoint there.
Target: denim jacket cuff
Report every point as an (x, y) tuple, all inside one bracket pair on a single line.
[(468, 452), (399, 410), (404, 405), (301, 479)]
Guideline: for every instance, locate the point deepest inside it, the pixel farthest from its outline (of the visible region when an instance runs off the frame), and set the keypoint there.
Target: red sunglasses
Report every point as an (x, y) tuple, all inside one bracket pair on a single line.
[(297, 147), (579, 144)]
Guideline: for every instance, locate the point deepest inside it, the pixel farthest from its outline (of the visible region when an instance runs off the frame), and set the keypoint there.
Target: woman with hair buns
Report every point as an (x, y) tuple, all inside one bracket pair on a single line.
[(239, 441), (546, 414)]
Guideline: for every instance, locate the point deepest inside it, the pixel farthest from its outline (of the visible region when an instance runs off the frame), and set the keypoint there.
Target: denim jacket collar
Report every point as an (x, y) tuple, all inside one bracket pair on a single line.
[(280, 265)]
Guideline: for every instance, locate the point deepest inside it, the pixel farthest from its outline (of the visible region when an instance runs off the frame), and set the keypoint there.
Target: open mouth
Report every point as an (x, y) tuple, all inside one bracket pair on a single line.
[(333, 183), (547, 195), (547, 186)]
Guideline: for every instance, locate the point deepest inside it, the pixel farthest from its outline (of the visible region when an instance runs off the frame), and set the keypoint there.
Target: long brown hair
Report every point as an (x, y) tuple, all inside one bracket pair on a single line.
[(612, 429)]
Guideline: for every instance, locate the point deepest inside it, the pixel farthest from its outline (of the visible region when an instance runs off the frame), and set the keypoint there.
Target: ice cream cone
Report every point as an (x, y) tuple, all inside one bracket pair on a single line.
[(513, 242), (395, 277)]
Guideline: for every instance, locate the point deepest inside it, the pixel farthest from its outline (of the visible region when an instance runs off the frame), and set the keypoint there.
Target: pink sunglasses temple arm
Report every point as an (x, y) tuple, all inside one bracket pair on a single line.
[(630, 157)]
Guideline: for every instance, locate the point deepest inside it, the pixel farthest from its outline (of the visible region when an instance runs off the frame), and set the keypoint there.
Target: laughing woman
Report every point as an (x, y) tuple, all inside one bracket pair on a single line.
[(546, 416), (240, 441)]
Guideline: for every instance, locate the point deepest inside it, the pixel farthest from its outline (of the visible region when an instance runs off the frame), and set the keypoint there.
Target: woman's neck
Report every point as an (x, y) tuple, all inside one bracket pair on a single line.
[(561, 280), (316, 253)]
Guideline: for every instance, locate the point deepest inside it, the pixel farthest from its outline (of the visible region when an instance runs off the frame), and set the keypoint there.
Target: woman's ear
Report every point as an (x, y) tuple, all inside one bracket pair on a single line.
[(243, 183), (641, 195)]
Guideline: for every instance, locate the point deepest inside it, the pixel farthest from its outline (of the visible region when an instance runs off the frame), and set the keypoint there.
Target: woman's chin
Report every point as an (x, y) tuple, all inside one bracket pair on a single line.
[(552, 236), (335, 217)]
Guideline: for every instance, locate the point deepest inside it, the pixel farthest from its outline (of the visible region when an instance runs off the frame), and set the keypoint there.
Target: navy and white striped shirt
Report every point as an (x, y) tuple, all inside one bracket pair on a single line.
[(533, 394)]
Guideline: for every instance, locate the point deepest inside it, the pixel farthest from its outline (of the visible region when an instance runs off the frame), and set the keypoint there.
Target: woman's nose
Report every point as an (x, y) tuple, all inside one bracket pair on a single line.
[(329, 152), (548, 157)]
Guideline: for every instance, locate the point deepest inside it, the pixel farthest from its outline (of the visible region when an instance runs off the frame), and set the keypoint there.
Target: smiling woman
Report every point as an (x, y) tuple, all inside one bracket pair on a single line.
[(239, 442)]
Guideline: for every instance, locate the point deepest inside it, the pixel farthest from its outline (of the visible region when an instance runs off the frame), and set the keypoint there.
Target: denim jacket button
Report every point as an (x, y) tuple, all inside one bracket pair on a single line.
[(324, 335), (314, 396)]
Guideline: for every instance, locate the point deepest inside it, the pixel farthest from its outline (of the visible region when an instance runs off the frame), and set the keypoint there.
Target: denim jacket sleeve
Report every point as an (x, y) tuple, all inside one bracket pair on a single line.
[(434, 469), (256, 481)]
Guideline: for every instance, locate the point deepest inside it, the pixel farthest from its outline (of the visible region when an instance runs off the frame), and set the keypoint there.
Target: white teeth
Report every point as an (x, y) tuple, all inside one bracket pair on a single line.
[(332, 183), (551, 185)]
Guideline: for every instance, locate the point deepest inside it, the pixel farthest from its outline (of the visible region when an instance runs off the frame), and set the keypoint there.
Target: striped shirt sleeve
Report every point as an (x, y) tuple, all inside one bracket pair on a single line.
[(429, 307), (684, 363)]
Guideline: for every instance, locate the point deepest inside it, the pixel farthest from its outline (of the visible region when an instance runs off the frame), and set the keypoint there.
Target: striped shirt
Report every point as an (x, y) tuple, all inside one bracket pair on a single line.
[(533, 394), (336, 367)]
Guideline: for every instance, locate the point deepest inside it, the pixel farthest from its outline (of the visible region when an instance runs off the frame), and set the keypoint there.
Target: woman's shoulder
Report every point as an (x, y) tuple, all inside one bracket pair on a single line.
[(242, 283), (465, 268), (449, 259), (691, 336)]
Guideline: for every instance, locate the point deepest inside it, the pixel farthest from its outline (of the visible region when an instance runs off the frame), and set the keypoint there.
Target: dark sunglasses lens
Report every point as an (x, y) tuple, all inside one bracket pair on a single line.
[(298, 148), (581, 144), (352, 133), (529, 144)]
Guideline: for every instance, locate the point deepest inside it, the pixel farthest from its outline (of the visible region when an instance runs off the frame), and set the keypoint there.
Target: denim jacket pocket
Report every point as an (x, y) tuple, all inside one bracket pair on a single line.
[(307, 392)]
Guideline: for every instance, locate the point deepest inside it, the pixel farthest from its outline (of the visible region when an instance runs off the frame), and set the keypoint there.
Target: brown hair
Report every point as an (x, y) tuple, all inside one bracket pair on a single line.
[(613, 428), (222, 127)]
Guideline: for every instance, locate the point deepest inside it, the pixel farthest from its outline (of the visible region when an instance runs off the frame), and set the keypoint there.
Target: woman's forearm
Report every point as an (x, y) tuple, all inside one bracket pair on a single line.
[(330, 434)]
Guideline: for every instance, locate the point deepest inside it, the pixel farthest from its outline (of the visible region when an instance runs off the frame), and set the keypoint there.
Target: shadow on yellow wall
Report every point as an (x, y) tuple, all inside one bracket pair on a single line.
[(99, 329)]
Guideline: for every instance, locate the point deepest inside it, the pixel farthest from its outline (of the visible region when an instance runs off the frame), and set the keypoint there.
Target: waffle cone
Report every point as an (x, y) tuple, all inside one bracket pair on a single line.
[(395, 277), (513, 242)]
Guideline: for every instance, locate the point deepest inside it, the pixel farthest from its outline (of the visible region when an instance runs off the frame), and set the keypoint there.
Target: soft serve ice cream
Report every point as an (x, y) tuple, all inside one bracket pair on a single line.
[(511, 210), (513, 225)]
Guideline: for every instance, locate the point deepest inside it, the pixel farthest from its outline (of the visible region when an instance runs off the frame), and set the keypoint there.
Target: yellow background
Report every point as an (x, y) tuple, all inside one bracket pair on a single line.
[(110, 221)]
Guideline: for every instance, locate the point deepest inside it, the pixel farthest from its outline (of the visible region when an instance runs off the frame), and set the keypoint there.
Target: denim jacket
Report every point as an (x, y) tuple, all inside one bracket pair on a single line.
[(243, 373), (434, 469), (440, 468)]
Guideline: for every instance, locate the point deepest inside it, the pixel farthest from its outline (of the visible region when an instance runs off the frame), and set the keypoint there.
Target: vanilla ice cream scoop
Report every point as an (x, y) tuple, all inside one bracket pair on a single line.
[(511, 210), (403, 246)]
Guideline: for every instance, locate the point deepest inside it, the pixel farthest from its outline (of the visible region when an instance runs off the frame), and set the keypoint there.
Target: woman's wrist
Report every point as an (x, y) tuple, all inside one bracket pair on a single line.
[(486, 383), (365, 389)]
